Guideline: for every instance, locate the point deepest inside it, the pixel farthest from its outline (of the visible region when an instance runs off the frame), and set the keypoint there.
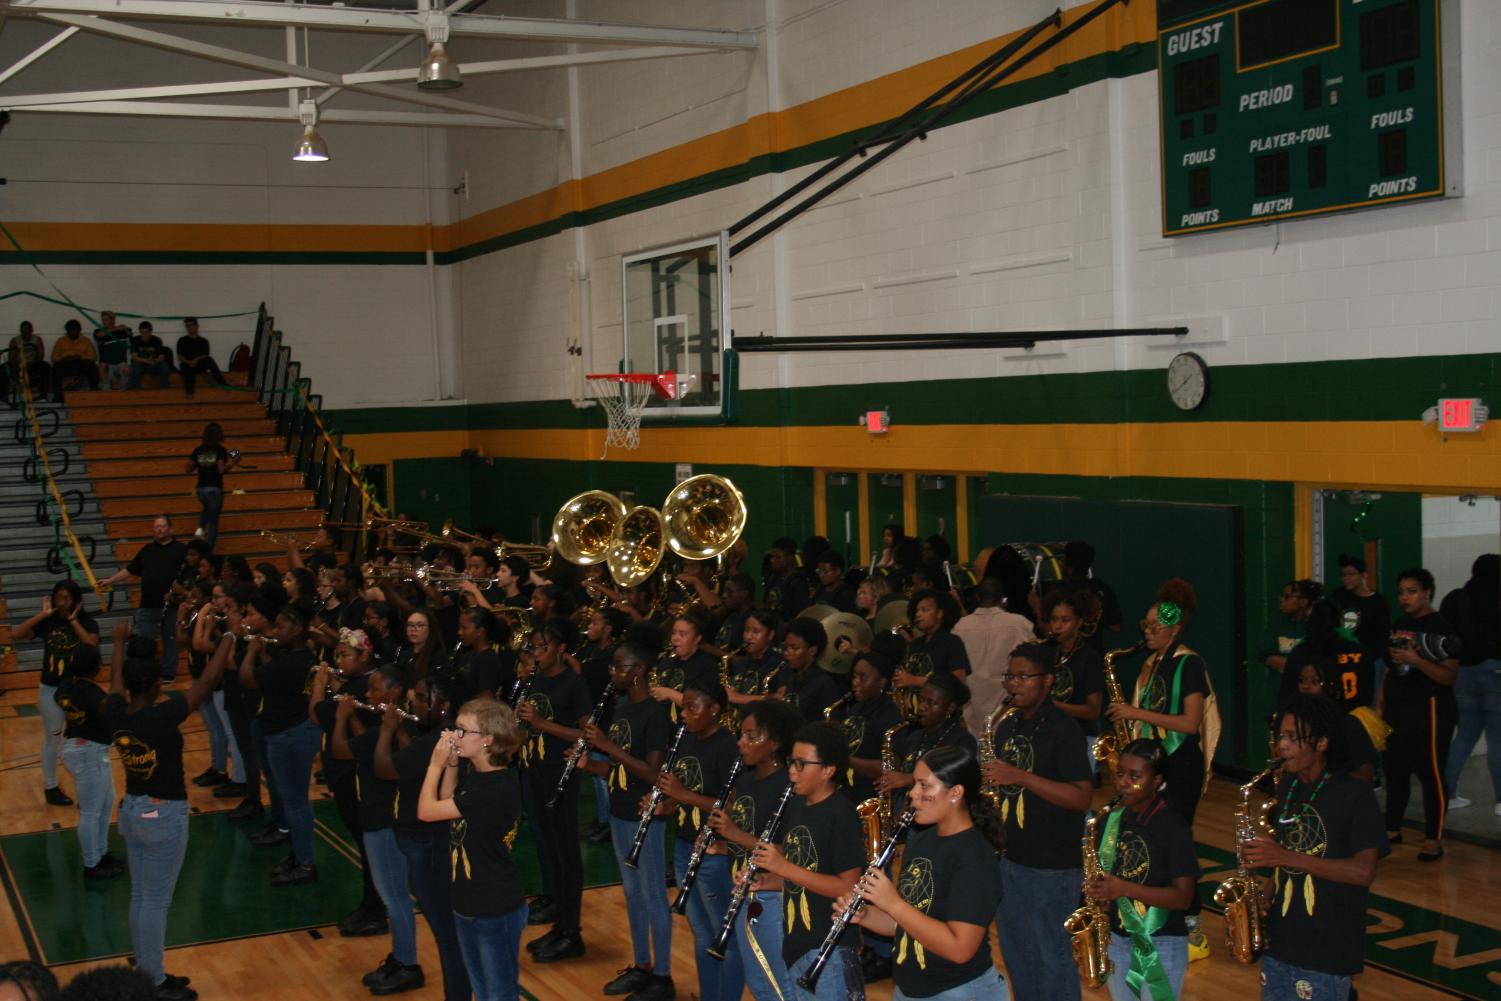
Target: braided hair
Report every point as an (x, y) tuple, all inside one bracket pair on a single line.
[(957, 766), (1315, 718)]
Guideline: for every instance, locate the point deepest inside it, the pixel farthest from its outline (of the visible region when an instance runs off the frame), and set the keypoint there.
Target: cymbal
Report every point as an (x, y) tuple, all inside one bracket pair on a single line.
[(891, 615), (848, 633)]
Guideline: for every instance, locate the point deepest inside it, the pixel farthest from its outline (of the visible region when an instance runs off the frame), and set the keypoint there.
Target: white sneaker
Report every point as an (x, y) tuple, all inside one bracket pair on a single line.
[(1498, 809), (199, 534), (1459, 803)]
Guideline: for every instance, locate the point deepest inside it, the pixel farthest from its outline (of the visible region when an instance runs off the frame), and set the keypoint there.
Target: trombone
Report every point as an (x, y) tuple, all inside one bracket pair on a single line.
[(539, 558), (284, 540)]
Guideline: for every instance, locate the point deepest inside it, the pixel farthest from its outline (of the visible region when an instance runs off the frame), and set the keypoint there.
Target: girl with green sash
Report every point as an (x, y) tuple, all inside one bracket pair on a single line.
[(1149, 871)]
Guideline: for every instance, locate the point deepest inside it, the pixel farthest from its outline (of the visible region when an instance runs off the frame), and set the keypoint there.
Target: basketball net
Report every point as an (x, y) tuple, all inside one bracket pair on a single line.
[(624, 403)]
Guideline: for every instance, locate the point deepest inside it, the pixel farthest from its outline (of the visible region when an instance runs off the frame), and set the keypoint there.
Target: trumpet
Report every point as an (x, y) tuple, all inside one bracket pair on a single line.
[(285, 540), (379, 708)]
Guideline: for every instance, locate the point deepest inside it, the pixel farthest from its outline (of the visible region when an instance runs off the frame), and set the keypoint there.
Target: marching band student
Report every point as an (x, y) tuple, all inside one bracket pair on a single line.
[(784, 590), (760, 664), (239, 704), (377, 626), (64, 626), (939, 723), (705, 756), (1361, 754), (425, 650), (86, 741), (154, 812), (806, 686), (767, 728), (354, 739), (1043, 774), (940, 909), (870, 595), (1149, 870), (595, 659), (821, 854), (1079, 676), (553, 710), (483, 810), (865, 722), (832, 590), (478, 659), (734, 607), (632, 752), (350, 675), (1323, 856), (688, 663), (935, 649), (402, 753)]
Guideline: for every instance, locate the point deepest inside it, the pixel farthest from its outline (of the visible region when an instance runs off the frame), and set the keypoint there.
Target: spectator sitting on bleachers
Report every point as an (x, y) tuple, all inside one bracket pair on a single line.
[(193, 356), (148, 356), (113, 340), (73, 357), (39, 372)]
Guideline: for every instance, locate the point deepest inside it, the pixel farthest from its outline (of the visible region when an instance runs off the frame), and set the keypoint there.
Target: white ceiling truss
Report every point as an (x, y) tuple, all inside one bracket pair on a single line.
[(108, 18)]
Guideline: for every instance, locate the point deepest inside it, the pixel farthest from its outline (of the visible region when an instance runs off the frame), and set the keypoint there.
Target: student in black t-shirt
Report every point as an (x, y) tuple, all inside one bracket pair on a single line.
[(1361, 756), (425, 650), (1149, 870), (832, 589), (760, 664), (554, 709), (820, 855), (1418, 703), (1323, 856), (1043, 776), (703, 764), (1332, 647), (489, 666), (767, 729), (687, 663), (195, 356), (1079, 678), (154, 811), (1364, 612), (632, 751), (1475, 612), (86, 740), (148, 356), (402, 753), (483, 810), (1078, 575), (595, 657), (281, 674), (934, 649), (939, 723), (941, 906), (734, 606), (342, 607), (211, 460), (866, 721), (356, 732), (805, 685), (63, 626), (784, 590)]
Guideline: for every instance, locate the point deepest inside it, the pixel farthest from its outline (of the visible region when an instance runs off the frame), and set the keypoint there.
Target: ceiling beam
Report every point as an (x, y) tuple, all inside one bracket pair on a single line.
[(270, 113), (250, 60), (37, 53), (331, 18), (537, 63)]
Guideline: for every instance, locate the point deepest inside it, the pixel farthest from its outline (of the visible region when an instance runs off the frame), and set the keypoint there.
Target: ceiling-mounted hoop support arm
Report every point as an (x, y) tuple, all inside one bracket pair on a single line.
[(939, 342)]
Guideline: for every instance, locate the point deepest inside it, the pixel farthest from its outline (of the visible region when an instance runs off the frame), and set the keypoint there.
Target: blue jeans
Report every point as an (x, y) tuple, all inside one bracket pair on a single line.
[(388, 867), (218, 738), (492, 953), (1281, 982), (94, 785), (1034, 905), (841, 979), (426, 852), (1478, 692), (156, 839), (53, 723), (231, 743), (645, 895), (212, 499), (989, 986), (149, 623), (717, 980), (162, 368), (263, 755), (768, 935), (1172, 951), (601, 792), (292, 753)]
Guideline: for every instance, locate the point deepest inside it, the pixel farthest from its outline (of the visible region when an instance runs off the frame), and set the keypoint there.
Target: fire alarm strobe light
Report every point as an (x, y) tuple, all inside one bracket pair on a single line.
[(876, 421)]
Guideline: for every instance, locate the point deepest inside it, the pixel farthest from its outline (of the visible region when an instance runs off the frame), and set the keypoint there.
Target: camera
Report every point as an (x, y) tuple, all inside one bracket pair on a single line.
[(1429, 646)]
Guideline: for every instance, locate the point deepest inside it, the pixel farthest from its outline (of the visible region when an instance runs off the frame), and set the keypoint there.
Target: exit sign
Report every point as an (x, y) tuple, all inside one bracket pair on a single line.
[(1462, 414)]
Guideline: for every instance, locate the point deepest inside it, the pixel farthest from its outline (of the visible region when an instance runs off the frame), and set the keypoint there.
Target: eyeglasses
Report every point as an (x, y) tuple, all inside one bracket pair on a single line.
[(1148, 626), (1289, 738), (1022, 677), (801, 763), (754, 736), (461, 733)]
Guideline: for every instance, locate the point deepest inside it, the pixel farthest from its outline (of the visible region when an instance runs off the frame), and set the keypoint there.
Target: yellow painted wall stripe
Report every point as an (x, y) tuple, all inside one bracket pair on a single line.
[(1396, 454)]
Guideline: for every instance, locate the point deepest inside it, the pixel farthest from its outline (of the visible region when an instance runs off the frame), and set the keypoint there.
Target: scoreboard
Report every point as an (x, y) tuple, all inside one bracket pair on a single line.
[(1284, 109)]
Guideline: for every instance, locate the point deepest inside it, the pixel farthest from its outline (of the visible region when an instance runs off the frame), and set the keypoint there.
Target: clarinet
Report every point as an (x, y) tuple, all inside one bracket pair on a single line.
[(379, 709), (836, 930), (633, 857), (702, 842), (520, 688), (581, 745), (747, 877)]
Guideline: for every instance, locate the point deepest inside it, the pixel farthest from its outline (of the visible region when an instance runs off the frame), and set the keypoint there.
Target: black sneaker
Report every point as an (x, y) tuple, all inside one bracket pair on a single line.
[(543, 941), (403, 978), (56, 797), (209, 778), (361, 923), (248, 810), (601, 836), (567, 945), (172, 978), (296, 876), (875, 968), (103, 870), (542, 911), (660, 989), (386, 968), (270, 837), (632, 978), (169, 991), (285, 865), (231, 790)]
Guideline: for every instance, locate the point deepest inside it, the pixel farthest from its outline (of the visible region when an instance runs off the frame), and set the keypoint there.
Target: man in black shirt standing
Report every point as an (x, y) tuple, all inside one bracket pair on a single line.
[(1327, 839), (157, 566), (193, 356)]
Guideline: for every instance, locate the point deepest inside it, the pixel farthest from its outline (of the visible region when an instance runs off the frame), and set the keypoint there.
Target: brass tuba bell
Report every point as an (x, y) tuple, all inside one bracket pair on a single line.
[(703, 516), (584, 526), (636, 547)]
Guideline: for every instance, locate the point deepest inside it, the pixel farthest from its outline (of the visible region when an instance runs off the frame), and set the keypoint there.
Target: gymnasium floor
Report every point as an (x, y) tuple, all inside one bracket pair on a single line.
[(1434, 932)]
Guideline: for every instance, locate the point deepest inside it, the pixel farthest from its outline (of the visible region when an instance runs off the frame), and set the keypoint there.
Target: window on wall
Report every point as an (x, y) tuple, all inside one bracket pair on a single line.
[(676, 310)]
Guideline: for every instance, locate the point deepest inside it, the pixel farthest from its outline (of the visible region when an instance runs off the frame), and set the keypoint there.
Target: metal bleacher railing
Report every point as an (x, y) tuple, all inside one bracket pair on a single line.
[(328, 467)]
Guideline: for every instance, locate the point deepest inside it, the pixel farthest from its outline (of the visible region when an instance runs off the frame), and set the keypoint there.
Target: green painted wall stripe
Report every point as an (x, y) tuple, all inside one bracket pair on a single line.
[(214, 257), (1371, 389)]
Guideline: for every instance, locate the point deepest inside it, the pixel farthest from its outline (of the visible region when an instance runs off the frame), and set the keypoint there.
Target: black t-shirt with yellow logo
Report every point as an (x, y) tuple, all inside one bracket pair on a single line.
[(484, 877), (562, 699), (702, 765), (865, 725), (150, 745), (954, 878), (59, 641), (826, 839), (638, 729), (1050, 745), (82, 703), (752, 805), (1153, 847), (1079, 675)]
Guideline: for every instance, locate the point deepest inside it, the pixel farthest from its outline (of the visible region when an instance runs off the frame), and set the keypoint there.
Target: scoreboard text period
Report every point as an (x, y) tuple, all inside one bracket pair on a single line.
[(1282, 109)]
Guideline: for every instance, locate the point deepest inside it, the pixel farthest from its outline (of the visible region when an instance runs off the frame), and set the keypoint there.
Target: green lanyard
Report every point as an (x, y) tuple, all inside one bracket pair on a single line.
[(1146, 965), (1172, 739)]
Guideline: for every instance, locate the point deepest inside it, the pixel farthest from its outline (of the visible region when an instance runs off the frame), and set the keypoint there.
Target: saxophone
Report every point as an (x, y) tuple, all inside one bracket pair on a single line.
[(877, 813), (998, 715), (1241, 894), (729, 716), (1090, 924), (1108, 746)]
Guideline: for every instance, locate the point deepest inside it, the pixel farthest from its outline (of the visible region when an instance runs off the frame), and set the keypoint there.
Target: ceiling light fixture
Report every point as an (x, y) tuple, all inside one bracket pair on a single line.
[(310, 148), (438, 72)]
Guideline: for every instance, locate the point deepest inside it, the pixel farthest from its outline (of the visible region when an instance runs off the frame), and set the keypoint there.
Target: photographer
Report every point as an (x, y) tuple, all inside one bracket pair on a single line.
[(1418, 703)]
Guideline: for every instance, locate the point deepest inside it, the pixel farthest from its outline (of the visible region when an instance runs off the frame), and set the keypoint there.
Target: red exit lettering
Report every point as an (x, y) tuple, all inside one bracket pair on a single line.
[(1457, 415)]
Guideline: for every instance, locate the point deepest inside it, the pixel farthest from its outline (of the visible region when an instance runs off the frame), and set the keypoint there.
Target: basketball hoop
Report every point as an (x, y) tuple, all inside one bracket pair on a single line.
[(624, 397)]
